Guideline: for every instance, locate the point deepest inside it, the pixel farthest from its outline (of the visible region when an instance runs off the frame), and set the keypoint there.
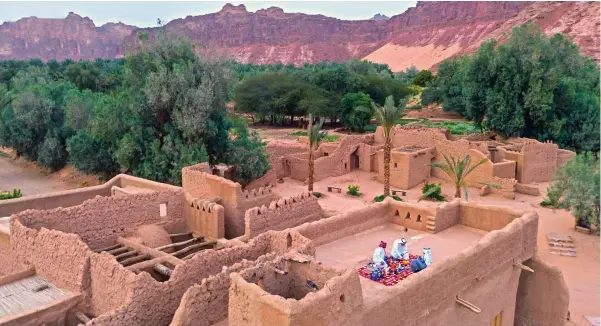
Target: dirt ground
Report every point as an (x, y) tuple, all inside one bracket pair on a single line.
[(581, 273), (32, 180)]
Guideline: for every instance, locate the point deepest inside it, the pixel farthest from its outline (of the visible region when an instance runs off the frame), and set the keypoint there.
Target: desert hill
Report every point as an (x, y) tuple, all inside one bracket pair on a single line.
[(422, 36)]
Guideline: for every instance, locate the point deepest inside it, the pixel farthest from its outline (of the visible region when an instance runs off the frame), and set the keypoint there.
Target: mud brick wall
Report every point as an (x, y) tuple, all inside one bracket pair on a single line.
[(538, 162), (284, 213), (410, 215), (534, 306), (205, 218), (278, 149), (482, 274), (447, 215), (109, 286), (101, 220), (486, 218), (504, 169), (563, 156)]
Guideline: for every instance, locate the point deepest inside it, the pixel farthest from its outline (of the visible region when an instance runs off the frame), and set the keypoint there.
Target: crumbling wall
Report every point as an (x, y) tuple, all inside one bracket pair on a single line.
[(335, 164), (338, 302), (284, 213), (277, 149), (167, 295), (563, 156), (198, 182), (345, 224), (207, 303), (538, 162), (59, 257), (110, 285), (543, 296), (483, 274), (268, 179), (485, 217), (410, 215), (101, 220), (8, 257), (205, 218)]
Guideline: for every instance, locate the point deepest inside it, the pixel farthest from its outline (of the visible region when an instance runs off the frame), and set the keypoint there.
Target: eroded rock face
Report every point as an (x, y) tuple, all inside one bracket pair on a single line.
[(422, 36)]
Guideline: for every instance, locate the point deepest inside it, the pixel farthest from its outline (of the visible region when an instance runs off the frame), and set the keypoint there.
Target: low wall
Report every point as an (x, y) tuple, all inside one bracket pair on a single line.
[(504, 169), (277, 149), (534, 304), (167, 295), (207, 303), (563, 156), (109, 286), (345, 224), (284, 213), (447, 215), (101, 220), (268, 179), (410, 215), (8, 257), (487, 218), (525, 189), (482, 274), (538, 162), (205, 217)]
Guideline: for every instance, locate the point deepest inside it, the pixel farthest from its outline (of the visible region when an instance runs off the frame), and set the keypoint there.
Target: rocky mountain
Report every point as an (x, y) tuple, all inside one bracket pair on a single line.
[(422, 36), (379, 16)]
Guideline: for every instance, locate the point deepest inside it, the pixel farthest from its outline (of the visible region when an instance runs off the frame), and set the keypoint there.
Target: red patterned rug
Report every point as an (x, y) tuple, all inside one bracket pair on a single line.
[(391, 278)]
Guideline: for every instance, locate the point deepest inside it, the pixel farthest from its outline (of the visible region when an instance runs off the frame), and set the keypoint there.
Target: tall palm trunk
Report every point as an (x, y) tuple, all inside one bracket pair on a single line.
[(457, 192), (311, 168), (387, 148)]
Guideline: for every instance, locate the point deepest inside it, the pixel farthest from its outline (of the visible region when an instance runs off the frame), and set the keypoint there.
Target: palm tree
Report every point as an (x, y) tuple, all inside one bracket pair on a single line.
[(458, 170), (315, 137), (386, 116)]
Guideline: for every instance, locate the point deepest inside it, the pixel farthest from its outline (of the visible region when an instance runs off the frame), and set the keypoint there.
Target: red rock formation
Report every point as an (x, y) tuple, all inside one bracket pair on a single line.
[(422, 36)]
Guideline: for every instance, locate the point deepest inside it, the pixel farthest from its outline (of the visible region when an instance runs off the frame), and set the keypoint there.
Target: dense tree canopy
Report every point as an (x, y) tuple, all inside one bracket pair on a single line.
[(532, 86)]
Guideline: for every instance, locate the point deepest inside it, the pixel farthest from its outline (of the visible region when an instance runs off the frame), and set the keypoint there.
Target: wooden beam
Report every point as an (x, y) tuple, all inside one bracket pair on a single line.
[(108, 248), (82, 317), (468, 305), (195, 246), (117, 251), (174, 235), (126, 254), (524, 267), (162, 269), (134, 260), (173, 245)]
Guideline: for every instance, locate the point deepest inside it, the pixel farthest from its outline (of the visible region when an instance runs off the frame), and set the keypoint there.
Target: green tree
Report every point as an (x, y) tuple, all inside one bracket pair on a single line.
[(423, 78), (458, 170), (387, 115), (356, 111), (248, 154), (52, 152)]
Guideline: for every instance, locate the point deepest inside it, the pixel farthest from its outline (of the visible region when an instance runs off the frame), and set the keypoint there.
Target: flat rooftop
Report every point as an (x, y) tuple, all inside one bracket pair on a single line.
[(20, 296), (354, 251)]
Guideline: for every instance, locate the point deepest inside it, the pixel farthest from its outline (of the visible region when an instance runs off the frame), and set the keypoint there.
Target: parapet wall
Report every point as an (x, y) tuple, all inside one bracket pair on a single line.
[(487, 218), (281, 214), (101, 220), (198, 182), (538, 162), (410, 215), (205, 217)]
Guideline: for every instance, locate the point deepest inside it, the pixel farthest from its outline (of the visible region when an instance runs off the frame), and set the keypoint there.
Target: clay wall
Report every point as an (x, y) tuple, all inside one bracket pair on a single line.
[(101, 220), (207, 303), (335, 164), (204, 217), (284, 213), (486, 218), (564, 155), (504, 169), (407, 169), (339, 302), (534, 306), (525, 189), (167, 295), (198, 183), (368, 157), (447, 215), (75, 197), (482, 274), (268, 179), (345, 224), (410, 215), (278, 149), (538, 162), (480, 146), (109, 284), (8, 257)]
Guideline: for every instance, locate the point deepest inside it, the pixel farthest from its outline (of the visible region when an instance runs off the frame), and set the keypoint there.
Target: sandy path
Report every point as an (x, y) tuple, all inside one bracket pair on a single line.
[(581, 273), (30, 181)]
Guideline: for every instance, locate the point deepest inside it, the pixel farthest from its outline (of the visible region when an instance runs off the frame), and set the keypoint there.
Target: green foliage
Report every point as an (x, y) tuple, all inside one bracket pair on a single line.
[(423, 78), (316, 134), (317, 194), (406, 77), (298, 133), (531, 86), (356, 111), (248, 155), (430, 95), (16, 193), (380, 198), (52, 153), (353, 190), (456, 128), (432, 191), (576, 188), (458, 170), (91, 155), (331, 138), (388, 114)]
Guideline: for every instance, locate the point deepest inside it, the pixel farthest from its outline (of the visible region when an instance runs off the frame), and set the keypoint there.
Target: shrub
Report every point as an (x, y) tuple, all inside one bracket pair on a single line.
[(331, 138), (432, 191), (317, 194), (353, 190), (298, 133), (380, 198), (423, 78), (16, 193)]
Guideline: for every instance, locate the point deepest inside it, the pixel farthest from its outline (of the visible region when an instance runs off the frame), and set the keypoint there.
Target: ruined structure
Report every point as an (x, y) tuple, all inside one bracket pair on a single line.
[(104, 255), (511, 165)]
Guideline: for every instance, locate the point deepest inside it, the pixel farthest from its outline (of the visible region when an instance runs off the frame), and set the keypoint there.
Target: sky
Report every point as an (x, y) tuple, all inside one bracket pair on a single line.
[(145, 13)]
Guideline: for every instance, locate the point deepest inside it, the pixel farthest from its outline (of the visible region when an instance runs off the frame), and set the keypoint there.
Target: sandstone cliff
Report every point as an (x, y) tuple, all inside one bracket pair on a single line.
[(422, 36)]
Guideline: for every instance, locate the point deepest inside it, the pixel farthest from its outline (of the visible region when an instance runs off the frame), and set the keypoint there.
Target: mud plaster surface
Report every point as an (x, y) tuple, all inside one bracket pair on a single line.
[(581, 273)]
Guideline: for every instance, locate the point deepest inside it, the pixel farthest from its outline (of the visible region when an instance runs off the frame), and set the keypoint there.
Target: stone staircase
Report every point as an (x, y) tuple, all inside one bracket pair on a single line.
[(431, 224)]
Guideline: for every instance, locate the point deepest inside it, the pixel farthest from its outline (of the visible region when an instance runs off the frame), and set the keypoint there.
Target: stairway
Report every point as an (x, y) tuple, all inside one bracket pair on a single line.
[(431, 224)]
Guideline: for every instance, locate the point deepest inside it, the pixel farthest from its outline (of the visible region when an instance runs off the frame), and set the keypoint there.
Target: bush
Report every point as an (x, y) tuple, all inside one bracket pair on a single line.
[(576, 188), (432, 191), (16, 193), (353, 190), (380, 198), (298, 133), (331, 138), (317, 194), (431, 95), (423, 78), (52, 154)]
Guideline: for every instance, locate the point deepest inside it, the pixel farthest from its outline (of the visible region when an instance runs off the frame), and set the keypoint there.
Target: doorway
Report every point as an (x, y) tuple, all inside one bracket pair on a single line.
[(355, 160)]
